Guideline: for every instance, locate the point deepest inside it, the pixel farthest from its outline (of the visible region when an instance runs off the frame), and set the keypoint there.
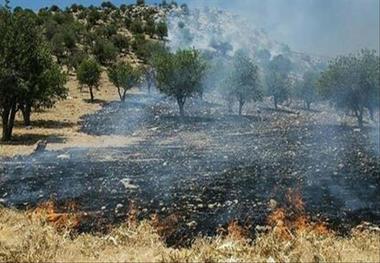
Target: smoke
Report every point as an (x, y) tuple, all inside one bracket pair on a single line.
[(322, 27)]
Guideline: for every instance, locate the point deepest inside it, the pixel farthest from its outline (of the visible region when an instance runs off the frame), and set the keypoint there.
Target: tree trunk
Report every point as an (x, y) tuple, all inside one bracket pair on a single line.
[(26, 112), (149, 87), (123, 97), (91, 93), (119, 92), (308, 103), (371, 113), (241, 104), (181, 103), (8, 119), (275, 102), (359, 116), (229, 106)]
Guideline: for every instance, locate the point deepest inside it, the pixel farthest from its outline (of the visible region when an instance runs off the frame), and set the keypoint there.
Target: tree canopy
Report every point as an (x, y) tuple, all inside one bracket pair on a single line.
[(124, 77), (244, 82), (277, 79), (89, 74), (28, 75), (180, 74), (352, 83)]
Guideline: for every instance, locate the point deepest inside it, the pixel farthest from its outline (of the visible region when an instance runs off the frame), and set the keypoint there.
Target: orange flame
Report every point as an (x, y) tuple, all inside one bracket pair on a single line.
[(47, 211), (293, 220)]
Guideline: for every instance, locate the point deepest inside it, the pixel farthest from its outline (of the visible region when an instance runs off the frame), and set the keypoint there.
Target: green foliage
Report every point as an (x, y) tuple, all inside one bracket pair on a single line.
[(104, 51), (352, 83), (307, 88), (180, 75), (140, 2), (93, 17), (124, 77), (120, 41), (88, 74), (277, 79), (244, 82), (137, 26), (162, 30), (28, 75)]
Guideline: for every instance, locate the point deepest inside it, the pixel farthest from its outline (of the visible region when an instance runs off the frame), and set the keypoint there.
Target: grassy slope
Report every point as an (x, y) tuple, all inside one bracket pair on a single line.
[(29, 239)]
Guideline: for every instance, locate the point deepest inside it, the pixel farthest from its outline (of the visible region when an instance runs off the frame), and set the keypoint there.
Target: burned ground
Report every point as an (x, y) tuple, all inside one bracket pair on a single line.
[(207, 169)]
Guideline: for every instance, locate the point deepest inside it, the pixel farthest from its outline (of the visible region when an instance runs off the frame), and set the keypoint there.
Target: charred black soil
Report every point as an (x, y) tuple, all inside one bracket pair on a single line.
[(206, 169)]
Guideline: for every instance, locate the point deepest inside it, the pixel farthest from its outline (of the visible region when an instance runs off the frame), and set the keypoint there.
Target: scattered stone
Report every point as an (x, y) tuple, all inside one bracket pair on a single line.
[(63, 156), (273, 204)]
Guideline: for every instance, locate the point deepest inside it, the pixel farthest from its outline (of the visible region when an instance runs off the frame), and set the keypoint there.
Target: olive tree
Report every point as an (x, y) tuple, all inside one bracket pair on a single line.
[(277, 79), (179, 75), (28, 75), (124, 77), (352, 83), (307, 89), (244, 83), (89, 74)]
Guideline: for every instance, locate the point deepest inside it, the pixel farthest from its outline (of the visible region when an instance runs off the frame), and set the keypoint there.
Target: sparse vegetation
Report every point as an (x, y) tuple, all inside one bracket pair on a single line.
[(26, 239), (210, 187)]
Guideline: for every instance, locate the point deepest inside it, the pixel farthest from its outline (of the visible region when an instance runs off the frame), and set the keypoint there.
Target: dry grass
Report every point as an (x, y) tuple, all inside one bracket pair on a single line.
[(27, 239), (60, 125)]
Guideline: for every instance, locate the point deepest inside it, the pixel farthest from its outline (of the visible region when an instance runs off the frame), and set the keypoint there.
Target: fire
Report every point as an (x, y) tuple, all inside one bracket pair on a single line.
[(292, 221), (236, 231), (47, 211)]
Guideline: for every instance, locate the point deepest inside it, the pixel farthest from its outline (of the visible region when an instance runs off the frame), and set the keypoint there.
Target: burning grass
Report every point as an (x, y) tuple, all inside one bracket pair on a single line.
[(25, 239)]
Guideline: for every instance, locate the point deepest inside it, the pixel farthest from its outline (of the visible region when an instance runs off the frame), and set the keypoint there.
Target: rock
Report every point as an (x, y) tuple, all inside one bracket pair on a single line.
[(192, 224), (63, 156), (128, 184), (261, 228), (273, 204), (103, 208), (40, 146)]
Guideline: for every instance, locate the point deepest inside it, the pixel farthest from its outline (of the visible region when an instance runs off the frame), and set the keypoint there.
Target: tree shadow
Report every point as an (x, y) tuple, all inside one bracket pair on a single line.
[(96, 101), (305, 109), (30, 139), (186, 119), (279, 110), (47, 124)]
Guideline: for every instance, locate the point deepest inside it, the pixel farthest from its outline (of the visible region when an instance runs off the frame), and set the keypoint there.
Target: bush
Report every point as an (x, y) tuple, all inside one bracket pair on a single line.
[(104, 51)]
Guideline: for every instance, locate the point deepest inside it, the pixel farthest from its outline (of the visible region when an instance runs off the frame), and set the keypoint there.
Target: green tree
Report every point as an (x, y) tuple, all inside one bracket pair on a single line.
[(140, 2), (162, 30), (308, 88), (351, 83), (180, 74), (28, 76), (244, 81), (277, 79), (104, 51), (89, 74), (124, 77)]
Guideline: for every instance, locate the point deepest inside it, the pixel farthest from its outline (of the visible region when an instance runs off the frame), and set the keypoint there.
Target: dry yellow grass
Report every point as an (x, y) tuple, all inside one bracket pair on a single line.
[(60, 125), (23, 239)]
